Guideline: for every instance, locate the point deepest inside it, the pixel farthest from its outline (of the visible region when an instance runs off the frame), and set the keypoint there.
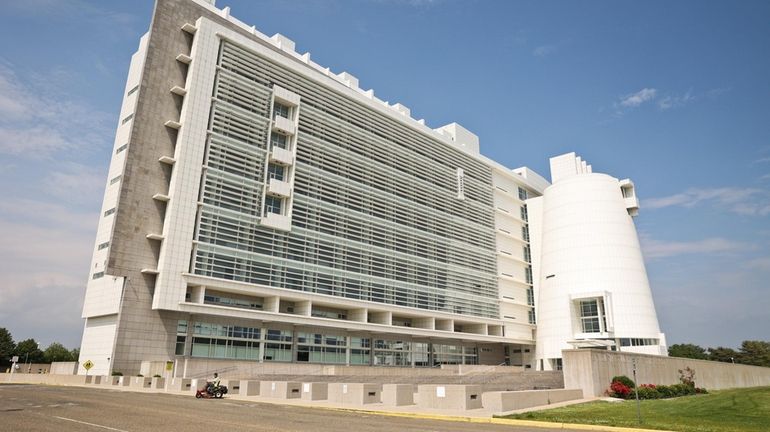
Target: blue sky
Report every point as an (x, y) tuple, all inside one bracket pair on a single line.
[(674, 95)]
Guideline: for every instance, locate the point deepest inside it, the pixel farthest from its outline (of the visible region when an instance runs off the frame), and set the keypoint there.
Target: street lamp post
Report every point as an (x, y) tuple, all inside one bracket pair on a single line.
[(26, 360), (636, 393)]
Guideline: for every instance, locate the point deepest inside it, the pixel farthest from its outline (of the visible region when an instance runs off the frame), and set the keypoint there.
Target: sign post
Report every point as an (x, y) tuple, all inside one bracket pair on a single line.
[(169, 368), (14, 360)]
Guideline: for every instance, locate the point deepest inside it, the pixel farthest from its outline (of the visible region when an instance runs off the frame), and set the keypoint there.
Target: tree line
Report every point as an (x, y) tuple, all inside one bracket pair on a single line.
[(29, 351), (751, 352)]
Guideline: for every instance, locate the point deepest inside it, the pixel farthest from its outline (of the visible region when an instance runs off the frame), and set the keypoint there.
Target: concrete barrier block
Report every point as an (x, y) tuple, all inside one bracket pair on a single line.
[(398, 394), (124, 381), (453, 397), (315, 391), (280, 389), (158, 382), (197, 384), (180, 384), (249, 388), (109, 381), (355, 393), (93, 379), (141, 382), (233, 386)]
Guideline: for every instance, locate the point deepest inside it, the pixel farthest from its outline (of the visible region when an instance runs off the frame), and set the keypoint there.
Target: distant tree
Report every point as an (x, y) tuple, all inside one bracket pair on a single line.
[(57, 353), (721, 354), (75, 353), (7, 347), (28, 350), (755, 353), (687, 351)]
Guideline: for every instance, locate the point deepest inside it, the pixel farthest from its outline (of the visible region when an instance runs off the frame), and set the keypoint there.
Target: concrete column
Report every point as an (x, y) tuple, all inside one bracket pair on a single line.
[(347, 350)]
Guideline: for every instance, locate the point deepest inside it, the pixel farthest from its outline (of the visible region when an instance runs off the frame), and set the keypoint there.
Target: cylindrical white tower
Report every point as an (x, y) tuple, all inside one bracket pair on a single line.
[(593, 289)]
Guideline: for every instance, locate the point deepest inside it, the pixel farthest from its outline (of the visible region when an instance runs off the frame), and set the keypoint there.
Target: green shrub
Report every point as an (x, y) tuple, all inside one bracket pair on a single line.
[(683, 389), (116, 373), (625, 380), (648, 391), (156, 376), (665, 391), (139, 375)]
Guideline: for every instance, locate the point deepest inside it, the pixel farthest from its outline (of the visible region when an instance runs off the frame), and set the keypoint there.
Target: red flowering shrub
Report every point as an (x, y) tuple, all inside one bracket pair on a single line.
[(620, 390)]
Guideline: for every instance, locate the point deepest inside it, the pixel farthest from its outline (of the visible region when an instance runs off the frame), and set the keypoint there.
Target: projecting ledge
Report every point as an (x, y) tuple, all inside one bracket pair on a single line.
[(154, 236), (173, 124), (167, 160), (189, 28), (161, 197), (150, 271), (178, 91), (184, 58)]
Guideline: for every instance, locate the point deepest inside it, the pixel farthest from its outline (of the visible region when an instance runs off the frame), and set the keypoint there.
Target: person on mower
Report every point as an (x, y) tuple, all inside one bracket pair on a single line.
[(213, 384)]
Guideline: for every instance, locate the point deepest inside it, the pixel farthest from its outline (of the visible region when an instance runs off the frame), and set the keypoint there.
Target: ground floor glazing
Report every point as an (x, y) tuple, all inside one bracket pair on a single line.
[(201, 339)]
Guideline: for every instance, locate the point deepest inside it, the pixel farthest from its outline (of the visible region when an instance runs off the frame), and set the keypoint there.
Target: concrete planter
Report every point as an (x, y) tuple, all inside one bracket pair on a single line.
[(141, 382), (280, 389), (454, 397), (158, 383), (355, 393), (233, 386), (398, 394), (249, 388), (315, 391), (180, 384)]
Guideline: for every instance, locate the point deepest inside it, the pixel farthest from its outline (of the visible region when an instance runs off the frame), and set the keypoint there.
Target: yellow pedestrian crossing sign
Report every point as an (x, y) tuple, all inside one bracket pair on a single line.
[(88, 364)]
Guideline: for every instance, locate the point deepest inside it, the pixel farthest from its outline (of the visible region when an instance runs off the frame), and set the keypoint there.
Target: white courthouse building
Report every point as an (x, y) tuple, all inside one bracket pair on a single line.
[(262, 208)]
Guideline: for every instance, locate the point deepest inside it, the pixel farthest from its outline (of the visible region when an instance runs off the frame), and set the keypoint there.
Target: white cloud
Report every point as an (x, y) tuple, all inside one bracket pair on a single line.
[(674, 101), (74, 9), (638, 98), (761, 160), (544, 50), (38, 121), (44, 260), (654, 249), (762, 264), (76, 183), (744, 201)]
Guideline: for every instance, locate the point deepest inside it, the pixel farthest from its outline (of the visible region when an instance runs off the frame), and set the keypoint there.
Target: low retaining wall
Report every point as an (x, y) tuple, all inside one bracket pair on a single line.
[(64, 368), (592, 370), (44, 379), (516, 400)]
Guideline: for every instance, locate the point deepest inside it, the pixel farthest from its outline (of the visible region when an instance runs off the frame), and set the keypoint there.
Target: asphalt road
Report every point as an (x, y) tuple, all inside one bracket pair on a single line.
[(62, 409)]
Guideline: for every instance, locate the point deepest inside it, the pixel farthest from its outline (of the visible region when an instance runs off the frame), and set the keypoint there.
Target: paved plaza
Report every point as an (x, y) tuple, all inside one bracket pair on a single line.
[(62, 409)]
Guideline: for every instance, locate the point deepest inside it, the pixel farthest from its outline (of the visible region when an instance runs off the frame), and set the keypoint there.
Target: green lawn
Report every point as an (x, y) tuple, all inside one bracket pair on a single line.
[(737, 410)]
